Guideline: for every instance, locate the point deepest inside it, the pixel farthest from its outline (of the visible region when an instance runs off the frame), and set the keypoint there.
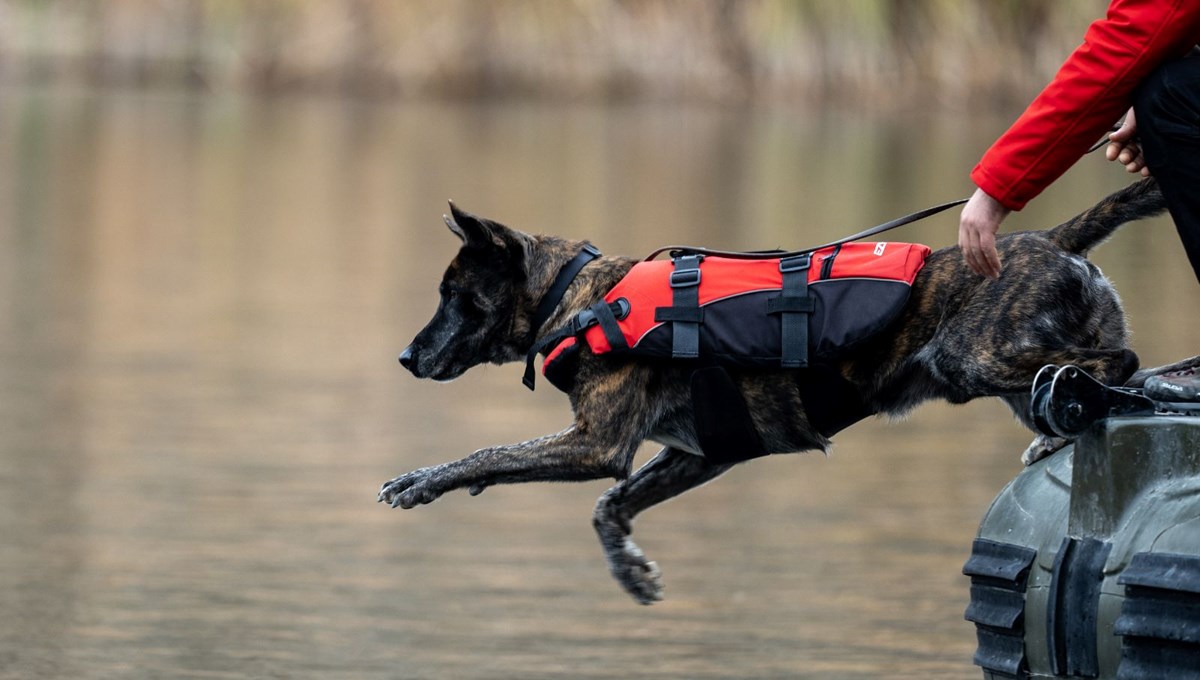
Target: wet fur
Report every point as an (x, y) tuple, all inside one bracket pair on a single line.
[(960, 337)]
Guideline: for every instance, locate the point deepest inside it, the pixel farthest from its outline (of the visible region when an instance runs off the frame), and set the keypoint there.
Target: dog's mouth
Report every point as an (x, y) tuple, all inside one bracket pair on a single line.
[(444, 375), (417, 363)]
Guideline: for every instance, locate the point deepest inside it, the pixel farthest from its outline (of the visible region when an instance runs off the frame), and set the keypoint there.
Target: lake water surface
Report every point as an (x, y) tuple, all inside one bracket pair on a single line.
[(201, 304)]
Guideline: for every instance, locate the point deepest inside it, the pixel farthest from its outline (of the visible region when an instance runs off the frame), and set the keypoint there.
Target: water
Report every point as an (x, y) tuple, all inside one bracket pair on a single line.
[(201, 301)]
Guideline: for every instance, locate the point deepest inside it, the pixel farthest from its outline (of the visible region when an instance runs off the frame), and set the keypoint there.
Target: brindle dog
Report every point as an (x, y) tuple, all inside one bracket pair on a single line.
[(960, 337)]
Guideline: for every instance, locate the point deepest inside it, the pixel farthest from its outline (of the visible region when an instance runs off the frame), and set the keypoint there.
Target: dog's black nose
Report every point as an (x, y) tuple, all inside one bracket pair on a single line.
[(406, 358)]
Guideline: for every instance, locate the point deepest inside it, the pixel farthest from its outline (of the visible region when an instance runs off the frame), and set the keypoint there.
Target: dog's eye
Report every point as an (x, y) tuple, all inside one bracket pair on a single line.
[(455, 295)]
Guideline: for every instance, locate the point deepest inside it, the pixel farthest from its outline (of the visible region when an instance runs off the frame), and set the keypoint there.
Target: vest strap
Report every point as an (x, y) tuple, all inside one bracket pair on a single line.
[(604, 314), (684, 314), (794, 307)]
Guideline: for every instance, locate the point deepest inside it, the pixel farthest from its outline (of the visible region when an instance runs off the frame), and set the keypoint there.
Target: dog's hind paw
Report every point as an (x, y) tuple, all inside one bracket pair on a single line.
[(1041, 447), (637, 575)]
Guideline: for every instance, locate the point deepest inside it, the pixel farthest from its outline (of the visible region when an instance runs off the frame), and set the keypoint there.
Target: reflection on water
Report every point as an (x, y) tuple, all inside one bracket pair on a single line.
[(200, 306)]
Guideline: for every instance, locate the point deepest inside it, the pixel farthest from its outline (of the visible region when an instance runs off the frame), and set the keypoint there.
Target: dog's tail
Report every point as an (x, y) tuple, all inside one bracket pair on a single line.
[(1090, 228)]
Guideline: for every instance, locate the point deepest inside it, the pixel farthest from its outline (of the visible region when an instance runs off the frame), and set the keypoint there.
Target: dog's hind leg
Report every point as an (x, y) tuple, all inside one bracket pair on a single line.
[(1139, 379), (1111, 367), (969, 373), (1043, 445), (669, 474)]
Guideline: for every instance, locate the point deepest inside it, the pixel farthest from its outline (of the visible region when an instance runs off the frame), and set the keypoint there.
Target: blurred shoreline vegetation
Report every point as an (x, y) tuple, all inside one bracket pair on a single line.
[(873, 53)]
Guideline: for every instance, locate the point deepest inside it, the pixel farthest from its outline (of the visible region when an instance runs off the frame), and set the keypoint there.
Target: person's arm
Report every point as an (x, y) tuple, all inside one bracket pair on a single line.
[(1091, 91), (1092, 88)]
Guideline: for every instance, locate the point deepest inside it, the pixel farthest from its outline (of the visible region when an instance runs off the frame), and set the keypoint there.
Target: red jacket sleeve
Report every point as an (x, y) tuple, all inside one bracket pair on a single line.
[(1092, 89)]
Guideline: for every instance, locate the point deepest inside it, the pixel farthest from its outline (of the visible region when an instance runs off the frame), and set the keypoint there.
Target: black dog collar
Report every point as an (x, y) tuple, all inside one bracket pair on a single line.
[(550, 302)]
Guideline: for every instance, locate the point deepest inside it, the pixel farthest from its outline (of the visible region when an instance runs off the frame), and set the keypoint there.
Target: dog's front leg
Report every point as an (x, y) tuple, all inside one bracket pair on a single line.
[(669, 474), (567, 456), (613, 415)]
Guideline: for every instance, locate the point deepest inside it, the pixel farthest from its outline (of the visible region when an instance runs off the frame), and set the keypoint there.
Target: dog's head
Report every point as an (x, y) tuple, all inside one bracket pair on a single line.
[(483, 313)]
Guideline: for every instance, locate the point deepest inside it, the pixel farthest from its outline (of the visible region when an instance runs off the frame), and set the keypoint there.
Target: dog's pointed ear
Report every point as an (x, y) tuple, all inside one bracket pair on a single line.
[(453, 224), (482, 233), (474, 231)]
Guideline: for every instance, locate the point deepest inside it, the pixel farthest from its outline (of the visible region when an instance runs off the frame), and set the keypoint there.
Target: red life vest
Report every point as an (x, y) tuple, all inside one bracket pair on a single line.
[(757, 313)]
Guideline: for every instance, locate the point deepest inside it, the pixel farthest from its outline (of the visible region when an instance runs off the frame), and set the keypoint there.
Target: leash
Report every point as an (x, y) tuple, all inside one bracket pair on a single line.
[(1106, 141), (766, 255), (878, 229)]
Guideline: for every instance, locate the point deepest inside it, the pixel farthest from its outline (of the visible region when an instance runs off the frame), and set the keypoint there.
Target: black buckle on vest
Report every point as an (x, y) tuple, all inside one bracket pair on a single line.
[(795, 264), (685, 278), (584, 320)]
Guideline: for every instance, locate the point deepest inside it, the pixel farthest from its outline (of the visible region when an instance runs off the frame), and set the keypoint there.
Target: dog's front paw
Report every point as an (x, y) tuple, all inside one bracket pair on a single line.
[(412, 489), (636, 574)]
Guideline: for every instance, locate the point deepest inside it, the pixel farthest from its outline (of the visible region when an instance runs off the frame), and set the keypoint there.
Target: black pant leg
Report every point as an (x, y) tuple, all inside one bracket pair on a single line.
[(1167, 106)]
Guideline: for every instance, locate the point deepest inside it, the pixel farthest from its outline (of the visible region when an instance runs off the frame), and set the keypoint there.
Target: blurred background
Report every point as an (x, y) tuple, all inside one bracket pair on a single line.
[(220, 223), (870, 52)]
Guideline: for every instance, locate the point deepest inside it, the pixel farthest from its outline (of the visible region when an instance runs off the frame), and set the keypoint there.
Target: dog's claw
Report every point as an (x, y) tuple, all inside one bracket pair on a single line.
[(418, 487)]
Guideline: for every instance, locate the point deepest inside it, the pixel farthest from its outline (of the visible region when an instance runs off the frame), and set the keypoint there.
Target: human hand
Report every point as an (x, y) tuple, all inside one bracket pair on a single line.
[(1123, 149), (977, 227)]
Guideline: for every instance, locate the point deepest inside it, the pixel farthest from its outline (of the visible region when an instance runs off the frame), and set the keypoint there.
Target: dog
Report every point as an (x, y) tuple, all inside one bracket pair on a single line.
[(959, 337)]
